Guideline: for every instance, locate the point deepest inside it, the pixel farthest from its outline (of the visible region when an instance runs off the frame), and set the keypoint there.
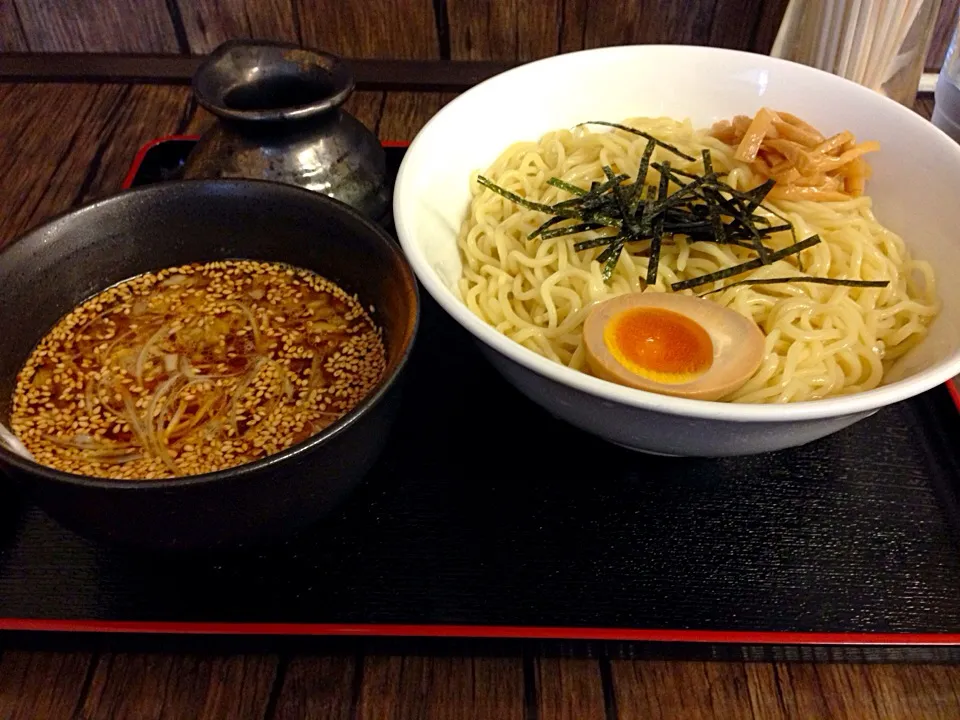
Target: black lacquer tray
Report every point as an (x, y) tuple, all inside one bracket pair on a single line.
[(848, 548)]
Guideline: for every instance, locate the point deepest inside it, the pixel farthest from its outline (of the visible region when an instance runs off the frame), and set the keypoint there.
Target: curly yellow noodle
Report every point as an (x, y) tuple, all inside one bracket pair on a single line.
[(820, 340)]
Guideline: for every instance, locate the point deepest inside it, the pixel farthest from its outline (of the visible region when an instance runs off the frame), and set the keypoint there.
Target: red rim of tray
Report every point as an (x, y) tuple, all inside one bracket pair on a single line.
[(146, 147), (740, 637)]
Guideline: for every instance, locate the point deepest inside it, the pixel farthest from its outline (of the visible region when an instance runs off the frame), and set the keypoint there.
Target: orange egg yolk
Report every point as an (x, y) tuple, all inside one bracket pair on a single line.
[(658, 344)]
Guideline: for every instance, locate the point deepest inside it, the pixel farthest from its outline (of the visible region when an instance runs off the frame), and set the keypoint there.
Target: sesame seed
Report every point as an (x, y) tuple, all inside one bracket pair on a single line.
[(297, 383)]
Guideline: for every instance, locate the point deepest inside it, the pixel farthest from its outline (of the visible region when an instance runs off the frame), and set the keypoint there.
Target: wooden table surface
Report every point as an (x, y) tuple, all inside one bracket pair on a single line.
[(61, 145)]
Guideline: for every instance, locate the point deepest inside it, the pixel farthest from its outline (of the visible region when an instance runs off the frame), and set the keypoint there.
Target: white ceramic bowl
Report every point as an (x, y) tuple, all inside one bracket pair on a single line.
[(915, 185)]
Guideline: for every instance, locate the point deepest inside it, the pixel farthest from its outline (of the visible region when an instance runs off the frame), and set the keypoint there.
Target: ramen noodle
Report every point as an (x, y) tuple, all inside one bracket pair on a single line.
[(821, 340)]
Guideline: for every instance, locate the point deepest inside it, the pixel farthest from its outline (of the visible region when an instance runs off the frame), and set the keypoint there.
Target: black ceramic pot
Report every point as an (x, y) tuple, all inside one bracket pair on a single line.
[(280, 118), (58, 265)]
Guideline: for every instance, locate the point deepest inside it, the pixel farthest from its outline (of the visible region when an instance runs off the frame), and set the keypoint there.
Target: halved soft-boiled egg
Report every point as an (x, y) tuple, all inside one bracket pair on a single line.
[(672, 344)]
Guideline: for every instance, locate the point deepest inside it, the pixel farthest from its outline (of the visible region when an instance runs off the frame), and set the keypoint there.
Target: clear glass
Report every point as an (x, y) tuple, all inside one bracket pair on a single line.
[(881, 44), (951, 63), (946, 109)]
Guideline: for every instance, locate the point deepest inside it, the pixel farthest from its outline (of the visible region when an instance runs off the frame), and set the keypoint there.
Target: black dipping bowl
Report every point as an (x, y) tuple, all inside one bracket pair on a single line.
[(57, 266)]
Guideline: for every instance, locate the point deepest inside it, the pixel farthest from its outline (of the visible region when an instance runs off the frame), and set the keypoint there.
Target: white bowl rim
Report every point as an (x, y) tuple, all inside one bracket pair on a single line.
[(861, 402)]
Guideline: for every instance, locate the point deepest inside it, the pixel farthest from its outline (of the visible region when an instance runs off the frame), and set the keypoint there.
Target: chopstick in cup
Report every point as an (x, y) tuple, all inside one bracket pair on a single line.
[(851, 21), (806, 41), (869, 37), (886, 31), (895, 38), (828, 36)]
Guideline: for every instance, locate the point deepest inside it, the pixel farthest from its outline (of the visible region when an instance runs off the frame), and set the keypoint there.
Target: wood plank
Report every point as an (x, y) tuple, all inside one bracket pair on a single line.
[(211, 22), (766, 698), (157, 687), (573, 25), (916, 691), (422, 75), (942, 33), (613, 22), (864, 692), (96, 26), (808, 692), (12, 38), (438, 688), (689, 690), (389, 29), (767, 25), (404, 113), (367, 107), (42, 684), (146, 112), (318, 687), (37, 190), (504, 29), (700, 691), (86, 153), (569, 689), (733, 24)]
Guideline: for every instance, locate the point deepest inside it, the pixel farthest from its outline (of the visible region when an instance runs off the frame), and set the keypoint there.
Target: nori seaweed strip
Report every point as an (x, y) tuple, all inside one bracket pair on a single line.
[(609, 250), (648, 208), (705, 209), (774, 229), (602, 219), (760, 192), (752, 195), (719, 229), (653, 265), (685, 189), (609, 258), (744, 267), (595, 242), (780, 217), (564, 213), (629, 225), (594, 197), (596, 188), (549, 223), (735, 211), (667, 146), (644, 168), (742, 216), (523, 202), (629, 229), (599, 203), (743, 194), (636, 195), (690, 175), (793, 230), (569, 187), (570, 230), (817, 280), (611, 183), (755, 198)]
